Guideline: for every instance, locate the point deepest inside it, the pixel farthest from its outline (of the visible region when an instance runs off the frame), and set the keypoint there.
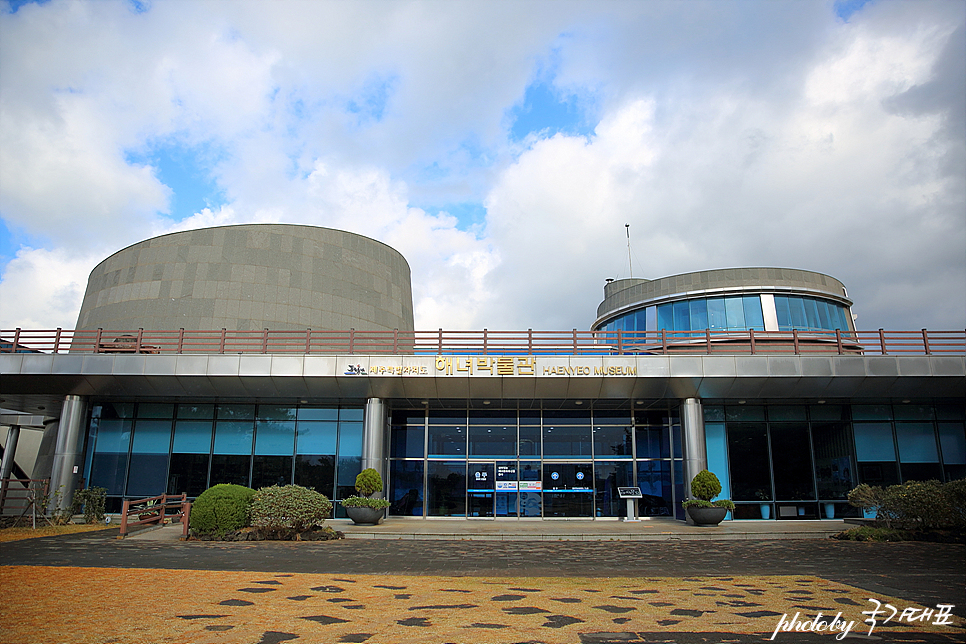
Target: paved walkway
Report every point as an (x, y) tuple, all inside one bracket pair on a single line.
[(383, 590), (658, 529)]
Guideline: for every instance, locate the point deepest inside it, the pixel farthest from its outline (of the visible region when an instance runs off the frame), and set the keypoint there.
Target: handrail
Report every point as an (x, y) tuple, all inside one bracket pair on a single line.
[(154, 509), (20, 494), (486, 342)]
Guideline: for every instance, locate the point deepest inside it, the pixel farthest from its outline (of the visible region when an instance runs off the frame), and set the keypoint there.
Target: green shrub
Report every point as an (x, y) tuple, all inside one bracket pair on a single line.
[(93, 500), (870, 533), (368, 482), (915, 505), (705, 486), (221, 508), (284, 512), (365, 502)]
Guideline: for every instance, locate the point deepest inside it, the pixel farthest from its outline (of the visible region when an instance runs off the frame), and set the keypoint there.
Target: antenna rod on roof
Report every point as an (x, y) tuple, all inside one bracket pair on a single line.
[(627, 229)]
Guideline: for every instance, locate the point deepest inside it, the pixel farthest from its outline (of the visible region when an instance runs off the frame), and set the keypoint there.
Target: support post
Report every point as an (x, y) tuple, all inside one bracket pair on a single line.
[(374, 437), (692, 433), (68, 458), (10, 451)]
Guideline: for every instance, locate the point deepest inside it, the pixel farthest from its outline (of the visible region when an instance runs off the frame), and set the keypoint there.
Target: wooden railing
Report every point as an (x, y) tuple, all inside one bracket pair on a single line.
[(485, 342), (22, 494), (155, 510)]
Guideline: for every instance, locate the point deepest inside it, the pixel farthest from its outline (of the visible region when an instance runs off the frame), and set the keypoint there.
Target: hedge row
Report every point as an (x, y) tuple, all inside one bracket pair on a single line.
[(274, 512), (916, 505)]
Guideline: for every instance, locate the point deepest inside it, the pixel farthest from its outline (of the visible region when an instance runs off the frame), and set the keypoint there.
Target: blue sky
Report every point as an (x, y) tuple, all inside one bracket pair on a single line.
[(501, 147)]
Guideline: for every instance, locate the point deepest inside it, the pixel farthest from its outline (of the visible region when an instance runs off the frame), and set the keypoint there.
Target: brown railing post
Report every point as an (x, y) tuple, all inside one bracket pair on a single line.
[(751, 337), (529, 342), (575, 341), (125, 508), (838, 339), (308, 340), (440, 352), (664, 341), (795, 340), (181, 340), (620, 341), (352, 341), (484, 341), (882, 342), (925, 342), (707, 340), (137, 343), (221, 347), (16, 340), (265, 341), (57, 341), (395, 341), (185, 518), (97, 340)]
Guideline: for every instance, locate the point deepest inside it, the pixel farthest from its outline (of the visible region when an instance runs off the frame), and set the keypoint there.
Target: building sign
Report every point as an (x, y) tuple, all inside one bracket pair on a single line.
[(530, 366), (506, 486), (531, 486)]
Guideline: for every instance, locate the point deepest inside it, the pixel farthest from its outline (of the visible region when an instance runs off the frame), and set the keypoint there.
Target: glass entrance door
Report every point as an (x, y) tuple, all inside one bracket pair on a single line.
[(480, 490)]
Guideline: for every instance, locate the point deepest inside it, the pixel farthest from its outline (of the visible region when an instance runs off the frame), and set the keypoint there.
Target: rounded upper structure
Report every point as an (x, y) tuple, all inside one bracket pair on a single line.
[(251, 277), (730, 299)]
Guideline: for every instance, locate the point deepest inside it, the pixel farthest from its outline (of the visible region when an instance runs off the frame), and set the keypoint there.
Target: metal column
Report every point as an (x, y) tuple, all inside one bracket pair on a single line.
[(374, 437), (10, 451), (68, 459), (695, 450)]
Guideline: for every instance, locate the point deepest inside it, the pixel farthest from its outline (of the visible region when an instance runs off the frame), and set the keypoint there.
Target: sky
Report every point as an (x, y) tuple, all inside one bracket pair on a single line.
[(502, 147)]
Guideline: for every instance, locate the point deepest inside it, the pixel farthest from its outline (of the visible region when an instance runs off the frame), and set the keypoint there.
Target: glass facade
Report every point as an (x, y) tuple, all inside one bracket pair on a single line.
[(532, 463), (735, 313), (800, 461), (138, 450)]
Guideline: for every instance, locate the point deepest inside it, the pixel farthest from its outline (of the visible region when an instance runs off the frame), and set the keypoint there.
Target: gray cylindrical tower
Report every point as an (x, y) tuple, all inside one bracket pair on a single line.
[(250, 277)]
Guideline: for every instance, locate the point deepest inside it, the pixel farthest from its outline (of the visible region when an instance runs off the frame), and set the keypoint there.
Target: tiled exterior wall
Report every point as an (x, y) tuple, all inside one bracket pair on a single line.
[(251, 277)]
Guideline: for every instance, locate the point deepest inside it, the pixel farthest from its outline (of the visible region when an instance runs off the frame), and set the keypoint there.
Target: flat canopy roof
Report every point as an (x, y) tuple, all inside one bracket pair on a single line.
[(30, 380)]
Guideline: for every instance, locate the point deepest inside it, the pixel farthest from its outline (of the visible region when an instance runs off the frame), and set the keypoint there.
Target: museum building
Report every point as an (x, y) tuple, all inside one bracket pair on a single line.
[(270, 354)]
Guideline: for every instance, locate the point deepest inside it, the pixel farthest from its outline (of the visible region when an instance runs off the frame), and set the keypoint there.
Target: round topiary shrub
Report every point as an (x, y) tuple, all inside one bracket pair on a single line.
[(705, 485), (219, 509), (368, 482), (285, 512)]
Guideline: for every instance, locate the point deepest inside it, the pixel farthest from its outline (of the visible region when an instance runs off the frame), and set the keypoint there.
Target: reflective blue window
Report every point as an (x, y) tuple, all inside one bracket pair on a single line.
[(873, 442), (317, 437), (953, 441), (234, 429), (682, 316), (192, 437), (752, 310), (275, 437), (665, 317), (734, 313), (716, 314), (917, 443), (699, 314)]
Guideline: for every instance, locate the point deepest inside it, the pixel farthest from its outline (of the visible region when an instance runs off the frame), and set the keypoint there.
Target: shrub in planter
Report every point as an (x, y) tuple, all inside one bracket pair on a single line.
[(221, 508), (704, 487), (367, 483), (286, 512), (93, 500)]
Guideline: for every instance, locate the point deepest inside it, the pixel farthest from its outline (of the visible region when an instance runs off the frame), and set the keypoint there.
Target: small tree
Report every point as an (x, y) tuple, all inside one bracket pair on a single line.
[(367, 483), (704, 487)]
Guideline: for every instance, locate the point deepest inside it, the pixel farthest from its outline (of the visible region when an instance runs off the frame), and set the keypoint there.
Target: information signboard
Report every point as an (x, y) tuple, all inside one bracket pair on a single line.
[(630, 492)]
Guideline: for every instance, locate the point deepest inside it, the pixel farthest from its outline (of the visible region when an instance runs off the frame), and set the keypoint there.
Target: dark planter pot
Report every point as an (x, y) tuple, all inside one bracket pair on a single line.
[(706, 516), (365, 516)]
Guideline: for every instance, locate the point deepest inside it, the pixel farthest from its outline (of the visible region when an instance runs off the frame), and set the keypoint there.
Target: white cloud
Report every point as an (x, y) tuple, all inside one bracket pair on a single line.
[(760, 133), (42, 289)]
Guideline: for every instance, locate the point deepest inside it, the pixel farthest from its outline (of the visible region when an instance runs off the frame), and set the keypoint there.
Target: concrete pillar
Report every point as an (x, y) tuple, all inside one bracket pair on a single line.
[(10, 451), (692, 433), (68, 456), (374, 437)]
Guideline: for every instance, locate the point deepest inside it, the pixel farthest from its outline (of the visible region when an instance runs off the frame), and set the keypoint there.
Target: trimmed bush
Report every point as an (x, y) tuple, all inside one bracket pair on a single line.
[(705, 485), (916, 505), (221, 508), (285, 512), (368, 482)]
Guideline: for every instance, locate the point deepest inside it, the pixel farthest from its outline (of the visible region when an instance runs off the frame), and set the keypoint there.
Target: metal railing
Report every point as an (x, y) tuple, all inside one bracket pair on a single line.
[(155, 510), (485, 342), (22, 494)]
